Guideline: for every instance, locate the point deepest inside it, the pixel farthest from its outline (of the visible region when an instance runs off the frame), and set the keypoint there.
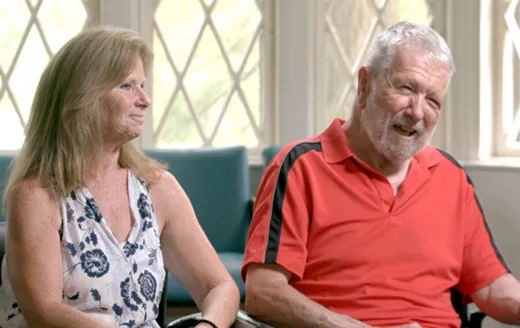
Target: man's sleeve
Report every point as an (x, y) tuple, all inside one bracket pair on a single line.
[(482, 262), (279, 227)]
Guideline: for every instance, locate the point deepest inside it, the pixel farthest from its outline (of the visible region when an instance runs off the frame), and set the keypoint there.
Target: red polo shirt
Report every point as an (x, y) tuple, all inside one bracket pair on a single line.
[(357, 249)]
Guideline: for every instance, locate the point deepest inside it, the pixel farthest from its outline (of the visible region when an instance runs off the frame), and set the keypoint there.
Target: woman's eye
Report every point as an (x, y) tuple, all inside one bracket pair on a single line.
[(405, 88), (126, 86)]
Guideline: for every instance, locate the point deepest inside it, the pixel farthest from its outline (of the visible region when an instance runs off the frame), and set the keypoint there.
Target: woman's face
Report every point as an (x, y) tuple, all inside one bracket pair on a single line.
[(126, 107)]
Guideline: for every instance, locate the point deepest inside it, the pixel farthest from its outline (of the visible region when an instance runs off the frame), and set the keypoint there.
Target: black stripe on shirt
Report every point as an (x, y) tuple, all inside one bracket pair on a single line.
[(468, 179), (275, 220)]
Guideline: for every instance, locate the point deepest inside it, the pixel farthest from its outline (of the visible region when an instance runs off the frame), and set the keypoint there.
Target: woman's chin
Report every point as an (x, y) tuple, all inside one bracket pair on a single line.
[(136, 133)]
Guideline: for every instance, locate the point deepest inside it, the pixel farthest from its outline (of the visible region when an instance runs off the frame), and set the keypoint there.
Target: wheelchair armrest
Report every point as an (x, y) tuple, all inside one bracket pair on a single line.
[(475, 319), (242, 321), (187, 321), (245, 321)]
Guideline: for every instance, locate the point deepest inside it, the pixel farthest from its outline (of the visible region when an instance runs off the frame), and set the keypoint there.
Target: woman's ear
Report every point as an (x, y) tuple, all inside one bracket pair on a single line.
[(364, 84)]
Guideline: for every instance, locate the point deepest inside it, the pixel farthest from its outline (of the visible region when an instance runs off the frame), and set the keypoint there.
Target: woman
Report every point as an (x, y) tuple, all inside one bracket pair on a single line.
[(84, 245)]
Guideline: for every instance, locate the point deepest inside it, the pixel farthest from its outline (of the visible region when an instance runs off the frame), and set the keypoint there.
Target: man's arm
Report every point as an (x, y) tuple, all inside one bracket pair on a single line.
[(500, 299), (271, 299)]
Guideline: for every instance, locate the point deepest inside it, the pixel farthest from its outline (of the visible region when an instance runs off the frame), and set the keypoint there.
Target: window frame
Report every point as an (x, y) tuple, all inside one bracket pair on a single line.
[(494, 16), (293, 72), (299, 70), (139, 16)]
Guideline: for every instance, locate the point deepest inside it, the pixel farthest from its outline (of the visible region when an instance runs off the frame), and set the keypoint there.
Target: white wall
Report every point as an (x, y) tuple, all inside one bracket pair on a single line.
[(498, 188)]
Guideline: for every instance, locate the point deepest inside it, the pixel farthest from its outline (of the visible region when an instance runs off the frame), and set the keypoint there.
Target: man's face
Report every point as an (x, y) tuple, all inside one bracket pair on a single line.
[(403, 105)]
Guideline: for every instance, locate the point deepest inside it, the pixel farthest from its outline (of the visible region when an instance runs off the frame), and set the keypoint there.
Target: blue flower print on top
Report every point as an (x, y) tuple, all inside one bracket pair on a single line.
[(118, 311), (130, 248), (143, 206), (95, 263), (153, 256), (148, 285), (95, 294), (70, 212), (92, 211), (145, 211), (91, 255), (72, 249), (130, 297)]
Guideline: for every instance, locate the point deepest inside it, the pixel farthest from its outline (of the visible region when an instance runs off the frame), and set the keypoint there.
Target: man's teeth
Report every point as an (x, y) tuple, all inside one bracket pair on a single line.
[(403, 131)]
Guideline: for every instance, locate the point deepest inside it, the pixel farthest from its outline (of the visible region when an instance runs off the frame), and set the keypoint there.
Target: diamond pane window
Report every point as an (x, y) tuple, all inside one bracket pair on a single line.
[(207, 72), (350, 27), (30, 33)]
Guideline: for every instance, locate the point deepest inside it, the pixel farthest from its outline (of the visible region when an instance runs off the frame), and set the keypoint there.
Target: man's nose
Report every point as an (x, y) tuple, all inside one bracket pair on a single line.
[(416, 108)]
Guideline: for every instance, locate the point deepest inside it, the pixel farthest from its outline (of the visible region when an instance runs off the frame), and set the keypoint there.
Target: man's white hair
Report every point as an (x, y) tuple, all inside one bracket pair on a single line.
[(382, 51)]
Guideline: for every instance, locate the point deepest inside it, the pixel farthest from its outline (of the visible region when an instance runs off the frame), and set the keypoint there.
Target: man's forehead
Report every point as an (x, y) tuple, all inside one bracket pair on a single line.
[(412, 61), (405, 54)]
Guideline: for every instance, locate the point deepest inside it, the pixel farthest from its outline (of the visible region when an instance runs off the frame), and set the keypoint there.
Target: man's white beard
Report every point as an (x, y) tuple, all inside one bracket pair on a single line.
[(389, 143)]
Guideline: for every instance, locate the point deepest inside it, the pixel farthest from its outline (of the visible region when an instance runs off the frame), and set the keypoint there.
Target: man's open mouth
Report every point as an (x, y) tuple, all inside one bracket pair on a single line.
[(404, 130)]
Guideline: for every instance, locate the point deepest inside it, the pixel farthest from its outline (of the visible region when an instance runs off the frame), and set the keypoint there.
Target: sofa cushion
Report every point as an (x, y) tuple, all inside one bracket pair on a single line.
[(5, 162), (268, 153), (216, 181), (232, 261)]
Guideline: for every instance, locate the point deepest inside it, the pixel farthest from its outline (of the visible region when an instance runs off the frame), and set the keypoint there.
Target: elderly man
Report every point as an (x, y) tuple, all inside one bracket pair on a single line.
[(364, 225)]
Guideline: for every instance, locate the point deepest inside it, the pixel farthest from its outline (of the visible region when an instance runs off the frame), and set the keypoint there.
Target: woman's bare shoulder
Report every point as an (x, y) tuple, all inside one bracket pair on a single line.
[(31, 189), (29, 198), (165, 186), (169, 198)]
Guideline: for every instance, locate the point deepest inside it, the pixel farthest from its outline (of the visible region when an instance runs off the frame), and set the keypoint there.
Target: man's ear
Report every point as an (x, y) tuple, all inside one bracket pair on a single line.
[(364, 83)]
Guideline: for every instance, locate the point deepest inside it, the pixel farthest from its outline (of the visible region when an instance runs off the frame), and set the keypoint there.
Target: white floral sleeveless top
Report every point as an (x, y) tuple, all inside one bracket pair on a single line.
[(120, 284)]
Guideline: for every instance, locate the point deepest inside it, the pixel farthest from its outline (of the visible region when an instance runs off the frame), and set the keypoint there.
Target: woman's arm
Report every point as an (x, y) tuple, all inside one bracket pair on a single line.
[(33, 258), (190, 257)]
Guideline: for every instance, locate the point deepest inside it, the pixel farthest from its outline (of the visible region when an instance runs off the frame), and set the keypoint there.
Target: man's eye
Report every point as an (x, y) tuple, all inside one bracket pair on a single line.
[(405, 88), (434, 103)]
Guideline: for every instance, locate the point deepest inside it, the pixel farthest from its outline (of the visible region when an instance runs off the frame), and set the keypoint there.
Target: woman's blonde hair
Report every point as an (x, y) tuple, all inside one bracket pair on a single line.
[(64, 133)]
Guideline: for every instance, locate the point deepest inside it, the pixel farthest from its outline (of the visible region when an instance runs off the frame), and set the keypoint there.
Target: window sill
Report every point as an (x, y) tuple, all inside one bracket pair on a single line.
[(494, 163)]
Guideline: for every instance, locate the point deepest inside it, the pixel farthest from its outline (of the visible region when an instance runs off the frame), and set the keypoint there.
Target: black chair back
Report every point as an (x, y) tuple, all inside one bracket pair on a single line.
[(459, 306), (473, 320)]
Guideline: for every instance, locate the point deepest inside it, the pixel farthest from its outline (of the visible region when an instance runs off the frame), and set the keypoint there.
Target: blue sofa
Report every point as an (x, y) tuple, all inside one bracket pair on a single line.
[(268, 153), (5, 162), (217, 182)]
